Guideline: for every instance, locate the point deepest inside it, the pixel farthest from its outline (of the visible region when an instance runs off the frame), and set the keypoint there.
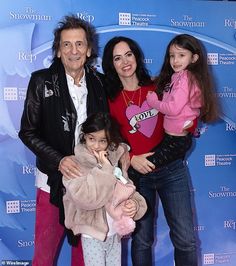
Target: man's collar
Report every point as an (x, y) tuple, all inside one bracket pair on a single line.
[(72, 81)]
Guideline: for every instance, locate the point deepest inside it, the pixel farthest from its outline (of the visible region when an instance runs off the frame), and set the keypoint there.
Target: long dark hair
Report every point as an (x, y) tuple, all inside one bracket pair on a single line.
[(113, 82), (102, 121), (73, 22), (198, 72)]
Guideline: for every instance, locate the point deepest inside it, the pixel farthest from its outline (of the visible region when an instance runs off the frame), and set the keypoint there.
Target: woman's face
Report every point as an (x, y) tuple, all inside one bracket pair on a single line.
[(124, 60)]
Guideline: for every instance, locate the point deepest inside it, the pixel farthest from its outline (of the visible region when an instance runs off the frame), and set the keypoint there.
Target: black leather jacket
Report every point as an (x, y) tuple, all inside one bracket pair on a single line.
[(41, 131)]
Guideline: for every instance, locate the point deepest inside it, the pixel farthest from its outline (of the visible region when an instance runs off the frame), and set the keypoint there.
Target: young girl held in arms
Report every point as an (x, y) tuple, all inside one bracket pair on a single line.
[(102, 203), (187, 90)]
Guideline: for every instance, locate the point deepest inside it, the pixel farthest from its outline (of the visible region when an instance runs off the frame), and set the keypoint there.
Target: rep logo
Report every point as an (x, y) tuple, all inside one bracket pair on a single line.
[(230, 126), (230, 224), (29, 170), (230, 22), (85, 16), (26, 56)]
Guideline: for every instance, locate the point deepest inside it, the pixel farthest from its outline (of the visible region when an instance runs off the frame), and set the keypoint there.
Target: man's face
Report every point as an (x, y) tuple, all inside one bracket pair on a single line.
[(73, 51)]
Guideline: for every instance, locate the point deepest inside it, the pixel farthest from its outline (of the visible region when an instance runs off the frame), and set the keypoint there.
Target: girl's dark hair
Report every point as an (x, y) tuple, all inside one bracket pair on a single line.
[(113, 82), (199, 73), (100, 121), (73, 22)]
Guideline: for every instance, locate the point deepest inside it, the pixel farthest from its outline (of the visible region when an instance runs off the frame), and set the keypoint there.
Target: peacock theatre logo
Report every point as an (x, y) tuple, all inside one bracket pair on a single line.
[(13, 206), (217, 258), (17, 206), (14, 94), (133, 19), (219, 159)]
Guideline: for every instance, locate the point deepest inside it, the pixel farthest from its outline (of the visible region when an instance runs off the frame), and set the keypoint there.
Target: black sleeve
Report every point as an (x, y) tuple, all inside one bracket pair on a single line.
[(31, 124)]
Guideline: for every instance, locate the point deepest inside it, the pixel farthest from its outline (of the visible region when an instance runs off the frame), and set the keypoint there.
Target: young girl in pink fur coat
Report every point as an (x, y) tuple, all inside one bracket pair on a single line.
[(102, 203)]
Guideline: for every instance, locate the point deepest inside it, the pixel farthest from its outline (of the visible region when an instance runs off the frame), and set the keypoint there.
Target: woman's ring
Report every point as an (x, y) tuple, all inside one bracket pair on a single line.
[(68, 171)]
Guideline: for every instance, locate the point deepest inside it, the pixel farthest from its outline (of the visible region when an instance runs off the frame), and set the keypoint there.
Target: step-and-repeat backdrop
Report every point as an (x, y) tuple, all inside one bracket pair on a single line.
[(26, 28)]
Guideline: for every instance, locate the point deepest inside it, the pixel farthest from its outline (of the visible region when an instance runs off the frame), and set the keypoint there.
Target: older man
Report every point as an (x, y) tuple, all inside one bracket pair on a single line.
[(58, 101)]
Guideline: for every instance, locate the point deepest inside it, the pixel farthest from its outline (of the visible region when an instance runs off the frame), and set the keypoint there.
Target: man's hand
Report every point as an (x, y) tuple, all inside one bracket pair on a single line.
[(69, 167)]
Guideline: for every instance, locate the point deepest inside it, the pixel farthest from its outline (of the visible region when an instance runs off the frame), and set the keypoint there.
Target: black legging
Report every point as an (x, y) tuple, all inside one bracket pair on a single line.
[(170, 149)]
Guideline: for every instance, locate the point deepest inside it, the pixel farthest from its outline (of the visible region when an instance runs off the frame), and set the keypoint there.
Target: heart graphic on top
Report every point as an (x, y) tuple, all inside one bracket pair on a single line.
[(142, 119)]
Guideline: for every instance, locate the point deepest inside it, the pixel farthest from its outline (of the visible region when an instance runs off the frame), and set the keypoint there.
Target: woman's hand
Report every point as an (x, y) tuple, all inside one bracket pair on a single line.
[(69, 167), (141, 164), (130, 208)]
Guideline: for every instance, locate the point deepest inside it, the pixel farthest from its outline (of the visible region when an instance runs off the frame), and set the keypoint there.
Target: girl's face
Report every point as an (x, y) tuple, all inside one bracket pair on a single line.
[(124, 60), (96, 141), (180, 58)]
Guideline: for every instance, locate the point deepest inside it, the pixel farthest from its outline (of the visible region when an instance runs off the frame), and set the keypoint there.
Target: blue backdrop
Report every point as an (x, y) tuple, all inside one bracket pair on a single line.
[(26, 28)]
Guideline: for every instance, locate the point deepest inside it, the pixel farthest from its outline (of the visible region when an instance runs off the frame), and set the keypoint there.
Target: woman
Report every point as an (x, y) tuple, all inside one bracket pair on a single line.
[(128, 83)]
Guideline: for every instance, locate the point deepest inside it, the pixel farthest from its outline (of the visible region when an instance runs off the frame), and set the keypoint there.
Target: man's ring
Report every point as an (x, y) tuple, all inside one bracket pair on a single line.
[(68, 171)]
